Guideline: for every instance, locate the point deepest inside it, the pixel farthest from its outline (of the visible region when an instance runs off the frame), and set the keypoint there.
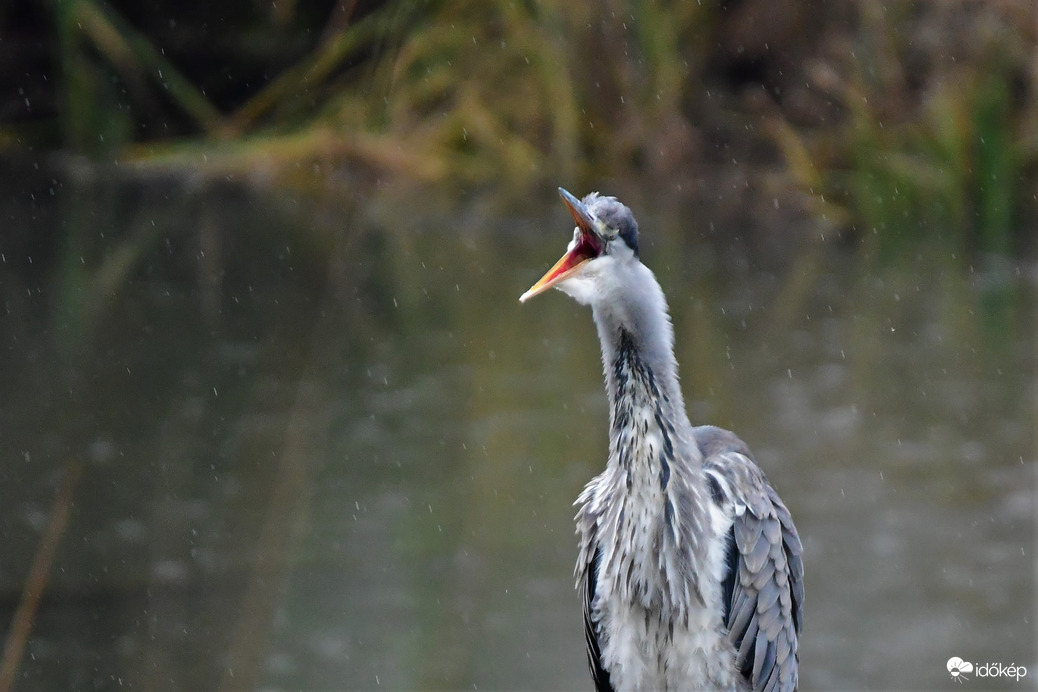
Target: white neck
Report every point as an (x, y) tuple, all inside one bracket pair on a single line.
[(633, 304)]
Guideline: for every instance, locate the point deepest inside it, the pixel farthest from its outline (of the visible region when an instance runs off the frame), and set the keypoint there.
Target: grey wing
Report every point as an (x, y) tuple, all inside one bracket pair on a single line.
[(764, 590), (594, 651)]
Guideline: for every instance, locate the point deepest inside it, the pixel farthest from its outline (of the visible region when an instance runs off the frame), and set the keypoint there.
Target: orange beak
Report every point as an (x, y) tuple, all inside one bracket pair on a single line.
[(587, 248)]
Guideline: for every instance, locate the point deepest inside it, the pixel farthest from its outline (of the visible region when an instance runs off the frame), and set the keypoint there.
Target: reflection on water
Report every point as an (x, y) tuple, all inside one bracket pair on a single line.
[(357, 472)]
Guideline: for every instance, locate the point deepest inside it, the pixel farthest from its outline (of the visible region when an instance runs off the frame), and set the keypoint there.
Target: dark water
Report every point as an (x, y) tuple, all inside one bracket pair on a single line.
[(322, 446)]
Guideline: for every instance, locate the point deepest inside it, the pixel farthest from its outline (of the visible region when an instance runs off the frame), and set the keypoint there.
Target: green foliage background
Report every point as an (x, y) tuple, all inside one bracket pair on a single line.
[(874, 118)]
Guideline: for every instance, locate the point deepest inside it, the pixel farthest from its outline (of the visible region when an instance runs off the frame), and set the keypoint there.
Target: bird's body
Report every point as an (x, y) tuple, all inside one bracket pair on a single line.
[(689, 563)]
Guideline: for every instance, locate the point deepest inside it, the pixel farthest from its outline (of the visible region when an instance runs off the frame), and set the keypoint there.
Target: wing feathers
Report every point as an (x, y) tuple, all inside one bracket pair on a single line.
[(765, 609), (594, 650)]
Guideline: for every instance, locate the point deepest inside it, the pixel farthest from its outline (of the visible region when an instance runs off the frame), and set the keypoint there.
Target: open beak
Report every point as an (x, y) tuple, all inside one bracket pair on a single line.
[(588, 247)]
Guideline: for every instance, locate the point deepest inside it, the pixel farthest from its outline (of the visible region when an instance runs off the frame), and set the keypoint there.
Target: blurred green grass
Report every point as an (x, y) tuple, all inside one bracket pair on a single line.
[(885, 121)]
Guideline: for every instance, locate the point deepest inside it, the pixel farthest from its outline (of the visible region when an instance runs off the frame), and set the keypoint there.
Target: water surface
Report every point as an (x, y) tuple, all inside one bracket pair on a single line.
[(323, 446)]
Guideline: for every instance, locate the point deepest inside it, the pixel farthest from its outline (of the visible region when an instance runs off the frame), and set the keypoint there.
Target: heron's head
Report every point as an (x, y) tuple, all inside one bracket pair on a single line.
[(605, 242)]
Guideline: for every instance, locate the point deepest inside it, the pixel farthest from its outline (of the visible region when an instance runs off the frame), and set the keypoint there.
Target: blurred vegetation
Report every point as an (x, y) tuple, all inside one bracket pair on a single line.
[(884, 120), (910, 128)]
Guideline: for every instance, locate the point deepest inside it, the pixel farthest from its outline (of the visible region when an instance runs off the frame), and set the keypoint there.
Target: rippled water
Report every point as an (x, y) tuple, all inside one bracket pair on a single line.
[(329, 449)]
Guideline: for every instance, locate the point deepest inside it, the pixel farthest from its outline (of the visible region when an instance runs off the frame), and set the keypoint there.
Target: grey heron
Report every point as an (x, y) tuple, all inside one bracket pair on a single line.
[(689, 562)]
